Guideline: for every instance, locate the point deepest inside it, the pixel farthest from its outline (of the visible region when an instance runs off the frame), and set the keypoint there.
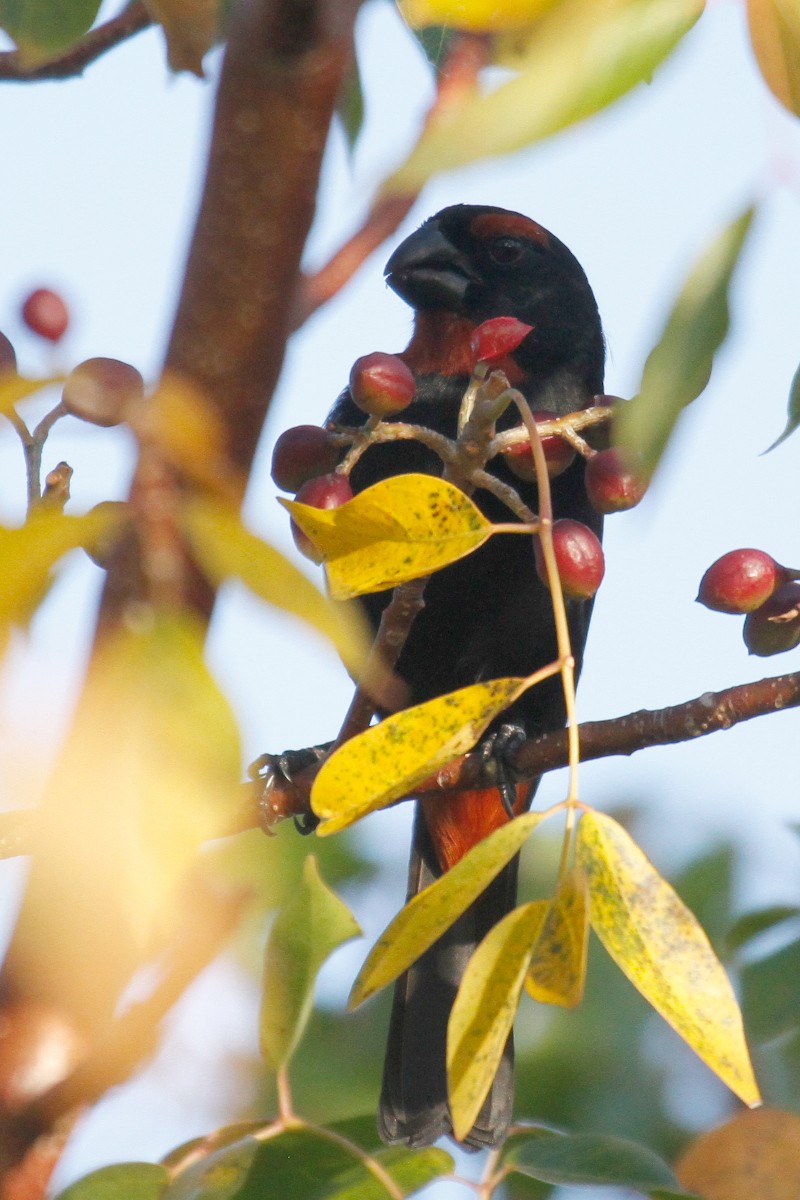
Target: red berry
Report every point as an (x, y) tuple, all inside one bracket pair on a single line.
[(8, 358), (497, 337), (302, 453), (46, 314), (612, 484), (326, 491), (101, 390), (740, 581), (775, 626), (557, 452), (381, 384), (579, 558)]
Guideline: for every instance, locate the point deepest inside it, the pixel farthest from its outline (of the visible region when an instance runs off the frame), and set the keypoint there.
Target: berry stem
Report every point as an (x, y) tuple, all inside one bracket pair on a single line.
[(559, 611)]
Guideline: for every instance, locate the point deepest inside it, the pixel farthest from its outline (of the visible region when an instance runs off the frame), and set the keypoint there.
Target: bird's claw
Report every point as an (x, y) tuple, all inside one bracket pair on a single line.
[(287, 765), (497, 751)]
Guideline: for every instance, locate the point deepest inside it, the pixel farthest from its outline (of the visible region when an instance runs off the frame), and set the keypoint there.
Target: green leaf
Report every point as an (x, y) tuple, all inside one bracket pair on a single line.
[(305, 933), (484, 1009), (433, 910), (678, 368), (42, 28), (771, 993), (581, 57), (751, 924), (225, 549), (584, 1158), (793, 412), (350, 106), (307, 1164), (123, 1181)]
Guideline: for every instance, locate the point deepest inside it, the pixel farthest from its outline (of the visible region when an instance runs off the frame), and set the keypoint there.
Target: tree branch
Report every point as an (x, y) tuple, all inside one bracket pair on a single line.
[(626, 735), (77, 58)]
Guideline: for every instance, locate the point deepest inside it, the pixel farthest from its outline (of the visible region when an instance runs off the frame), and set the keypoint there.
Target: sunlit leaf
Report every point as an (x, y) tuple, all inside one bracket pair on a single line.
[(793, 413), (29, 553), (180, 420), (133, 1181), (775, 34), (41, 28), (190, 27), (432, 911), (557, 970), (14, 388), (484, 1009), (398, 529), (656, 941), (305, 932), (389, 760), (678, 368), (755, 1154), (485, 16), (308, 1164), (584, 55), (226, 549), (585, 1159), (150, 771)]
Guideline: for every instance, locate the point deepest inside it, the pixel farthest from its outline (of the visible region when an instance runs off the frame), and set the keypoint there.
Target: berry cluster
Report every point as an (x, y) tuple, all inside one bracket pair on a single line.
[(305, 457), (752, 584)]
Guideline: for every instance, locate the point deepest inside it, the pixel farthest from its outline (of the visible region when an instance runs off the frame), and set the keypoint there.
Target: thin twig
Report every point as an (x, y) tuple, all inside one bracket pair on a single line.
[(77, 58)]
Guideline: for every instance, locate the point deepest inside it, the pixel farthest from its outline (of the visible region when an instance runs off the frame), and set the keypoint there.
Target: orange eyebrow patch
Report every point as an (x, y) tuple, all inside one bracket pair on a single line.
[(490, 225)]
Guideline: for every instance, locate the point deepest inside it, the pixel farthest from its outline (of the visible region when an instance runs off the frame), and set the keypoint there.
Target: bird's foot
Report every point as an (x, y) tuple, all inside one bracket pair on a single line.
[(288, 766), (497, 751)]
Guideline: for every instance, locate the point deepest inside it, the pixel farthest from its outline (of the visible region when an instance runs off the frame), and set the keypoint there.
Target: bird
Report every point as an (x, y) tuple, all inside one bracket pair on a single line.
[(486, 616)]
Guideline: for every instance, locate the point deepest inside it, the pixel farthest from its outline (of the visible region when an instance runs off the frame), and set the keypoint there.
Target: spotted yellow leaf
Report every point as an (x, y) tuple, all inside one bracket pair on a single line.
[(399, 529), (658, 943), (433, 910), (484, 1010), (391, 759), (557, 971)]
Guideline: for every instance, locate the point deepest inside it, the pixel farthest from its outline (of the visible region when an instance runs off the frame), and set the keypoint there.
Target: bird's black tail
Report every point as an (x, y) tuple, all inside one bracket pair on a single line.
[(413, 1105)]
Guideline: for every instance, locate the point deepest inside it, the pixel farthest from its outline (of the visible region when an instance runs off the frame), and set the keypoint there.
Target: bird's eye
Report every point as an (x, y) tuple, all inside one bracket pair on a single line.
[(506, 250)]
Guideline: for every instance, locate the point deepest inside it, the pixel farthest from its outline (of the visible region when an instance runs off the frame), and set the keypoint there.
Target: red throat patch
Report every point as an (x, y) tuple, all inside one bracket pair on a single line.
[(440, 345)]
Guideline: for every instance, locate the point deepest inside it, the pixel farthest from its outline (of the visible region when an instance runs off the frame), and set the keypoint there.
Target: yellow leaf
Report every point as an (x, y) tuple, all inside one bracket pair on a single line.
[(482, 16), (190, 27), (658, 943), (399, 529), (775, 34), (583, 56), (14, 388), (225, 548), (557, 972), (484, 1010), (432, 911), (391, 759), (28, 554)]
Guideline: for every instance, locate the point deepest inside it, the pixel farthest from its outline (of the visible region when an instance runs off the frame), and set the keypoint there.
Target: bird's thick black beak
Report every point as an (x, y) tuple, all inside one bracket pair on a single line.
[(427, 271)]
